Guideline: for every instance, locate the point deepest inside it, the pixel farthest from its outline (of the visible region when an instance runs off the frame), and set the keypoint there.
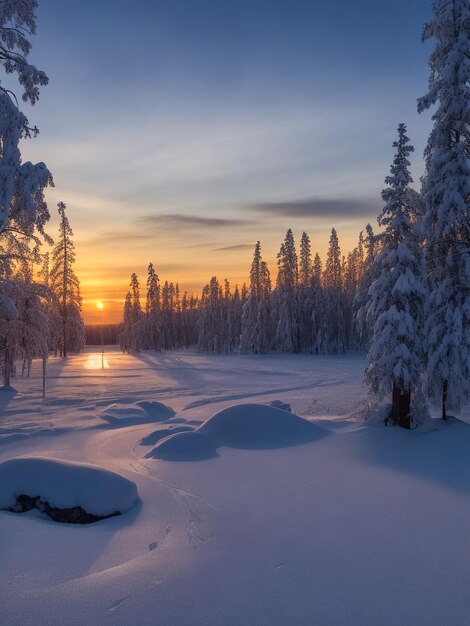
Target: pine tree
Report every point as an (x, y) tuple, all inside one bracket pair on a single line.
[(446, 206), (66, 287), (396, 297)]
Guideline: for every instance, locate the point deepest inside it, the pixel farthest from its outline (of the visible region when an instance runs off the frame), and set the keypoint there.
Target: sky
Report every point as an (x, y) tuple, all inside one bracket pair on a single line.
[(182, 131)]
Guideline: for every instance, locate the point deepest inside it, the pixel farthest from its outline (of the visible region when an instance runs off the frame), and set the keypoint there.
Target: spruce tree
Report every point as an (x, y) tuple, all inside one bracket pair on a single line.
[(446, 205), (333, 291), (396, 298), (288, 327), (66, 287)]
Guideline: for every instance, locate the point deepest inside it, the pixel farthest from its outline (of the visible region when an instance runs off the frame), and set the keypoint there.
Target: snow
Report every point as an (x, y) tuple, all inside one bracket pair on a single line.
[(185, 446), (121, 414), (258, 426), (364, 526), (158, 435), (65, 485)]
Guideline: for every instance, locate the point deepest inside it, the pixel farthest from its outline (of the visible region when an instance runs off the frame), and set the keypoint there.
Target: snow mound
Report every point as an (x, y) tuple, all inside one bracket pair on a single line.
[(157, 435), (121, 415), (185, 446), (258, 426), (159, 411), (66, 485)]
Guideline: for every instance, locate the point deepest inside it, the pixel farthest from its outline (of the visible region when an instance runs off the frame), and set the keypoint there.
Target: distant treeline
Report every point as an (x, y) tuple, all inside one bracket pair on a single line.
[(110, 334)]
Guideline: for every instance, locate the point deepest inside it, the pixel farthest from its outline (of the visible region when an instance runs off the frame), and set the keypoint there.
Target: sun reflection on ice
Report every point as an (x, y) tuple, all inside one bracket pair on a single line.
[(93, 362)]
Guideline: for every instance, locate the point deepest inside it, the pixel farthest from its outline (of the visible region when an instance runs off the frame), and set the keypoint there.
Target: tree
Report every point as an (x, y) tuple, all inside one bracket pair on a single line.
[(396, 298), (288, 329), (136, 317), (153, 310), (305, 294), (366, 278), (256, 311), (66, 288), (332, 298), (23, 209), (446, 210)]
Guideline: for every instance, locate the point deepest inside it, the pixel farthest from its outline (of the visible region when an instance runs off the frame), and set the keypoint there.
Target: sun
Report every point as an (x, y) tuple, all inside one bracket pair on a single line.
[(100, 305)]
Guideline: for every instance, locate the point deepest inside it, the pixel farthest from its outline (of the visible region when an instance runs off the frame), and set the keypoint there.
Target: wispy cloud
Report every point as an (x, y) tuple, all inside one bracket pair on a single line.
[(180, 220), (319, 207), (242, 246)]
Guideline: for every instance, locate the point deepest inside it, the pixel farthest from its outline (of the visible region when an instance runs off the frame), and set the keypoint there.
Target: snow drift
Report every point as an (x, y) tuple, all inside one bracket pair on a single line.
[(120, 414), (157, 435), (258, 426), (65, 485), (248, 426), (185, 446)]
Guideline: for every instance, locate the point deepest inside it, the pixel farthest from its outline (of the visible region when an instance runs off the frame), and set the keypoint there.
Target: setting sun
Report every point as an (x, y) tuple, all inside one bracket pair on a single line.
[(100, 305)]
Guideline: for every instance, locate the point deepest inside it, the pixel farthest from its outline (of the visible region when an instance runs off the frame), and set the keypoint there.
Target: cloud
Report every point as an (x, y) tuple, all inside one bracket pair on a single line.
[(320, 207), (180, 220), (242, 246)]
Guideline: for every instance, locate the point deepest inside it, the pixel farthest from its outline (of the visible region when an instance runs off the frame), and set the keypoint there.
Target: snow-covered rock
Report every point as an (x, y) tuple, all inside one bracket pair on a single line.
[(185, 446), (65, 485), (121, 414), (259, 426)]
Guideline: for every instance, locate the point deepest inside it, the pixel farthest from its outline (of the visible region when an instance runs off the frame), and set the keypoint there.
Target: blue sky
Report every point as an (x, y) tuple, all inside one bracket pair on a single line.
[(183, 131)]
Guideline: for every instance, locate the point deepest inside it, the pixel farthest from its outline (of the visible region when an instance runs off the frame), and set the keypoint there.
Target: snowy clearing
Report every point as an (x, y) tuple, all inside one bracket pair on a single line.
[(363, 526)]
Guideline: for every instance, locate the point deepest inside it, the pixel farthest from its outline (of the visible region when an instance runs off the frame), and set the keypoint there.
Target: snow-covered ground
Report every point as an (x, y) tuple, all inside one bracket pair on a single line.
[(362, 525)]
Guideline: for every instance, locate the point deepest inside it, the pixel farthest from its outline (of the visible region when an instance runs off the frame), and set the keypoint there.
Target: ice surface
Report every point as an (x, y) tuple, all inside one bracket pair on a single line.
[(65, 485)]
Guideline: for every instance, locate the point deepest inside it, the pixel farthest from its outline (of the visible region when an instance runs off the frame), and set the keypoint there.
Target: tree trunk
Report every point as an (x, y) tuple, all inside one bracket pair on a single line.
[(8, 367), (43, 376), (445, 389), (401, 407)]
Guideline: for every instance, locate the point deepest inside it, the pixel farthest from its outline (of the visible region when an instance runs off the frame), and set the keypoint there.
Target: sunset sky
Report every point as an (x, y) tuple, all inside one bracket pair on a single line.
[(180, 132)]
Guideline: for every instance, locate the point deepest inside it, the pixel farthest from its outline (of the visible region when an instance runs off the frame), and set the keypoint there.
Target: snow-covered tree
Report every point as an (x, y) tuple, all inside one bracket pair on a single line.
[(255, 321), (396, 298), (66, 288), (333, 310), (286, 302), (446, 210), (23, 210), (153, 310), (305, 294), (365, 280)]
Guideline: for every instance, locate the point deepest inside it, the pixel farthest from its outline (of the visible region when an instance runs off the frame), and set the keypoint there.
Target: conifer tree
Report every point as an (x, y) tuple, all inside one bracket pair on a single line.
[(446, 205), (333, 291), (287, 310), (396, 298), (305, 294), (66, 287), (152, 310)]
